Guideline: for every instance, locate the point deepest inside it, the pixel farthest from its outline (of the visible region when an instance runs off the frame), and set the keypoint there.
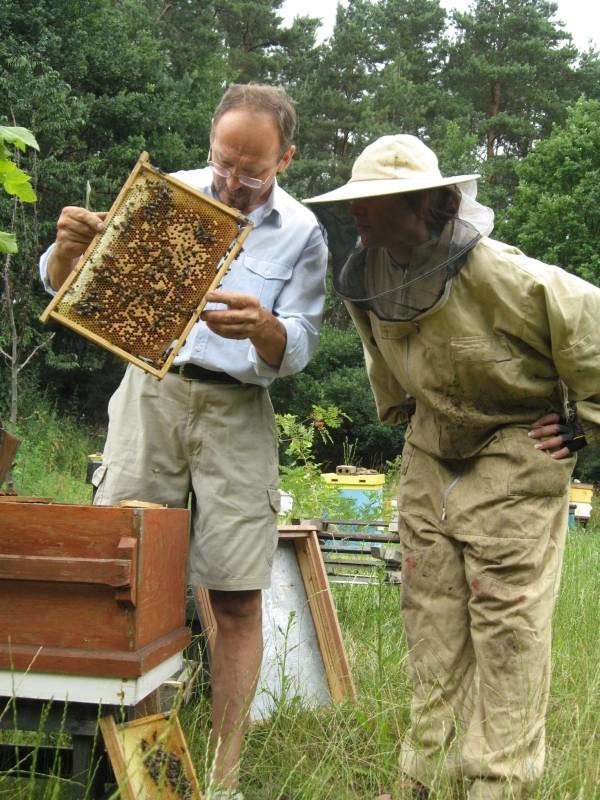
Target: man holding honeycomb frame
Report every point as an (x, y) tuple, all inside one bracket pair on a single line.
[(208, 425)]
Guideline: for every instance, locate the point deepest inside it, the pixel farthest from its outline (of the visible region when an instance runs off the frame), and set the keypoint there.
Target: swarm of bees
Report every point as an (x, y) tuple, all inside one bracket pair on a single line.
[(150, 269), (163, 765)]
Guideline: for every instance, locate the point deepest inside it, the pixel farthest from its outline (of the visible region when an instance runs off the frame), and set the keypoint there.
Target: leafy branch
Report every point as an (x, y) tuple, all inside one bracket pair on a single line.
[(15, 181), (298, 435)]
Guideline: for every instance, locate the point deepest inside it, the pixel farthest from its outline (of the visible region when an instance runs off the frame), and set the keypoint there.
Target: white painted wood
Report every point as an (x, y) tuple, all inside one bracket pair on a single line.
[(292, 663), (85, 689)]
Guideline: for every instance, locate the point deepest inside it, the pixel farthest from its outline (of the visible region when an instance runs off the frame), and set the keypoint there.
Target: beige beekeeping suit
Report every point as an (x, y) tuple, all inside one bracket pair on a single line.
[(483, 514)]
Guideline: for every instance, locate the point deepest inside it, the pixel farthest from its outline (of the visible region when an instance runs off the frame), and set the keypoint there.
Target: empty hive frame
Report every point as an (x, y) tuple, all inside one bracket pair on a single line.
[(141, 284)]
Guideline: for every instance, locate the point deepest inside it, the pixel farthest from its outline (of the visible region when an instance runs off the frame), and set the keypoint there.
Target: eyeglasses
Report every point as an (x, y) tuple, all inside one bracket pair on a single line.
[(245, 180)]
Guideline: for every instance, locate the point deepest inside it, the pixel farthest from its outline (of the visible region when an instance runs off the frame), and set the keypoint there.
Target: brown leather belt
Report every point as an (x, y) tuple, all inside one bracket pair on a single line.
[(192, 372)]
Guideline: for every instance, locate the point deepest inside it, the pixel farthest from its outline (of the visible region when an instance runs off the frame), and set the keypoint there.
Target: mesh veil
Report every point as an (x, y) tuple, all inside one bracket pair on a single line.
[(374, 281)]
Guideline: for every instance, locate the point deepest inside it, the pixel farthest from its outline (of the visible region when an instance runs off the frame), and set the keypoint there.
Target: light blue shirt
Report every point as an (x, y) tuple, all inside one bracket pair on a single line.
[(283, 263)]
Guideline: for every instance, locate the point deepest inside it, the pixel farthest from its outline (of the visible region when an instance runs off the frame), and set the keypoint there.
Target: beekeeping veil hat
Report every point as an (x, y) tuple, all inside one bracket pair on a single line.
[(398, 164), (390, 165)]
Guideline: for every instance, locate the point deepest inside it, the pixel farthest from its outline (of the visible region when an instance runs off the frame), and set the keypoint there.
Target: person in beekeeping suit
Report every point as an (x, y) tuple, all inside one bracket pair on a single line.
[(492, 360)]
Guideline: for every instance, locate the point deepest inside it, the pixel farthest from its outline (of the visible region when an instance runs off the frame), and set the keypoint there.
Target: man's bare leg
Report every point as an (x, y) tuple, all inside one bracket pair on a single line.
[(235, 668)]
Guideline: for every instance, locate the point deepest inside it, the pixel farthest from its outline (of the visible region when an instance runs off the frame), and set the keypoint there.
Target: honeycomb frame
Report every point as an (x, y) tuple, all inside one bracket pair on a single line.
[(141, 284)]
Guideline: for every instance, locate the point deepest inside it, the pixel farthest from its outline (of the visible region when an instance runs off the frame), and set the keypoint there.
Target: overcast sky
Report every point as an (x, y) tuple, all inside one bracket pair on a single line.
[(581, 17)]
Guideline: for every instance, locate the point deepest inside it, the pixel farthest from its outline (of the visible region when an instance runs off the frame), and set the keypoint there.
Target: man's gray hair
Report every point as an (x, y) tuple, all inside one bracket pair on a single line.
[(258, 97)]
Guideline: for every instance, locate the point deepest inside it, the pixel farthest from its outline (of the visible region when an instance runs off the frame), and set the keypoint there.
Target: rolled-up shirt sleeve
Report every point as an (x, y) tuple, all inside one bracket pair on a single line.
[(299, 308)]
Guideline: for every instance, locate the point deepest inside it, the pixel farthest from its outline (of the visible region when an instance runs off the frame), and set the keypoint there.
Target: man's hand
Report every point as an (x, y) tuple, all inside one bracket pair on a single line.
[(558, 438), (75, 229), (244, 318)]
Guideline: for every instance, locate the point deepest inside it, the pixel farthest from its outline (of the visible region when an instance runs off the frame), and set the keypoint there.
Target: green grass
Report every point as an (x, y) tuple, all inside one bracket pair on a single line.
[(52, 457), (349, 752)]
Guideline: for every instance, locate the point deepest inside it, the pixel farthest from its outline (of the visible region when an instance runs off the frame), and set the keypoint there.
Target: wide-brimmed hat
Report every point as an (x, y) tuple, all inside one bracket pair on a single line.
[(391, 165)]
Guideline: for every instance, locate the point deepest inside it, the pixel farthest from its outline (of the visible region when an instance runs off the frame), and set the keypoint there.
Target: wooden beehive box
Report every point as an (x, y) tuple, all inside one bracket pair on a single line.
[(140, 286), (91, 590)]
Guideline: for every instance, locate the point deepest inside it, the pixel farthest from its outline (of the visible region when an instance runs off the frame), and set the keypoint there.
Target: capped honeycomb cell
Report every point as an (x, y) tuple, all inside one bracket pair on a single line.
[(141, 284)]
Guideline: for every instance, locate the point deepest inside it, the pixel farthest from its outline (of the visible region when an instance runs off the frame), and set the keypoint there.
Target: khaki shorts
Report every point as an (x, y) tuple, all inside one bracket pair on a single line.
[(166, 438)]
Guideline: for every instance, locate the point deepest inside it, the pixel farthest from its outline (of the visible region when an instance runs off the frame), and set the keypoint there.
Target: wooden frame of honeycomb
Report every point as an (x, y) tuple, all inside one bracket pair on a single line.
[(140, 286), (150, 758)]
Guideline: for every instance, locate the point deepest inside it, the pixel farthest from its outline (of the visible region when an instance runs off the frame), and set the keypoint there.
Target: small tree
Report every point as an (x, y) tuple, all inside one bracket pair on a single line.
[(14, 180), (301, 477), (17, 184)]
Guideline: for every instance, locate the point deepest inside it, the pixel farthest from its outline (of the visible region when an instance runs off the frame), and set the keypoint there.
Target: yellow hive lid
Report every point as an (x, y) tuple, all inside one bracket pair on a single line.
[(581, 492), (367, 481)]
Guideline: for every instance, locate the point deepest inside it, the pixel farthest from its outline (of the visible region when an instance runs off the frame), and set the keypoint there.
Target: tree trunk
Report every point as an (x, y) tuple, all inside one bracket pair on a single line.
[(12, 356), (496, 94)]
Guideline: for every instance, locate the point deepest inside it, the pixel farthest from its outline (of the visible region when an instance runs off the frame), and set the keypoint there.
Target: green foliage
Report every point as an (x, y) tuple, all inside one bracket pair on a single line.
[(251, 32), (587, 469), (298, 436), (456, 148), (556, 212), (52, 458), (336, 376), (312, 498), (411, 42), (96, 83), (14, 180), (301, 475), (350, 751)]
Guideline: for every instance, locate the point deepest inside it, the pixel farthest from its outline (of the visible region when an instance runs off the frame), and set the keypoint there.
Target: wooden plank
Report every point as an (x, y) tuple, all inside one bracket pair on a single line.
[(23, 498), (66, 530), (355, 523), (325, 618), (349, 549), (70, 615), (351, 579), (162, 572), (127, 662), (80, 584), (112, 742), (322, 609), (107, 571), (22, 760), (50, 716), (357, 536), (354, 563), (208, 621)]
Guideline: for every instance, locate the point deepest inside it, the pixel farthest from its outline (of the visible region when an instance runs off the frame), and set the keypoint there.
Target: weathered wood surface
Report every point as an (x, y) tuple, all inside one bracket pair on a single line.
[(9, 445), (91, 590)]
